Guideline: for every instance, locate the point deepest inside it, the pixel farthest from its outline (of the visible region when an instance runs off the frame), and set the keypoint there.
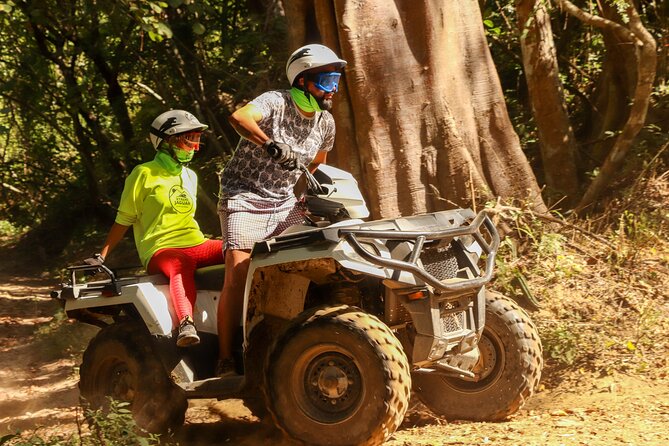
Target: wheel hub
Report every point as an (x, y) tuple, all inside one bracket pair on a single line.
[(489, 367), (487, 360), (332, 385), (120, 383), (332, 381)]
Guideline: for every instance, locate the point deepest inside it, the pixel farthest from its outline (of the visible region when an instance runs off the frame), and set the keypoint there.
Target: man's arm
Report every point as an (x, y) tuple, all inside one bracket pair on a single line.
[(245, 122), (320, 158)]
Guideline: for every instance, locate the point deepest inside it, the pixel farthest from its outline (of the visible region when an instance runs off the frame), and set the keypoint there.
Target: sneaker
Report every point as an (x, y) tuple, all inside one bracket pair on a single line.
[(187, 333), (226, 368)]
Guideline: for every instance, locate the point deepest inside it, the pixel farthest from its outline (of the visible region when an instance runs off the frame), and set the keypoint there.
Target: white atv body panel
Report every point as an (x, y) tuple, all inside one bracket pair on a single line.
[(344, 189), (154, 305)]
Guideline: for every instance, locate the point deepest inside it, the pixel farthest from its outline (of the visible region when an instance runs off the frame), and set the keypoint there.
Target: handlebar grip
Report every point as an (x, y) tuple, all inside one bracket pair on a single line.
[(272, 149), (274, 152)]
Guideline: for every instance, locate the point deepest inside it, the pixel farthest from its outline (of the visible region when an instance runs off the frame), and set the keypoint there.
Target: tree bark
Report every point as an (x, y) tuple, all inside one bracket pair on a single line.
[(421, 118), (556, 136)]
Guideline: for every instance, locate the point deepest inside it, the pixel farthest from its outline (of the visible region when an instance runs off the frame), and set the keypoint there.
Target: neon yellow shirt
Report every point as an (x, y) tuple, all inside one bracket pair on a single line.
[(158, 201)]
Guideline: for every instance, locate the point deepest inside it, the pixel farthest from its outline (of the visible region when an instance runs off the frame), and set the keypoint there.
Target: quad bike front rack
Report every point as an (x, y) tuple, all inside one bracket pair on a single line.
[(419, 238)]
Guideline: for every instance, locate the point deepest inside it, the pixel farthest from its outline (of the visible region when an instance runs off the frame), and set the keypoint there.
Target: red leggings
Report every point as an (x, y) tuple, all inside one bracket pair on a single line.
[(179, 265)]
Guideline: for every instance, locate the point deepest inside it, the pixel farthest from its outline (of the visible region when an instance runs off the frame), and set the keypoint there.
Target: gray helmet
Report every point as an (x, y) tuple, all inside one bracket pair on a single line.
[(311, 56), (173, 122)]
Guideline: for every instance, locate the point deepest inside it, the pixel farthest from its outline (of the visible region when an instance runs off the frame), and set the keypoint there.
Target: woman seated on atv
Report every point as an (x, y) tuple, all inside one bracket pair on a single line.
[(158, 201)]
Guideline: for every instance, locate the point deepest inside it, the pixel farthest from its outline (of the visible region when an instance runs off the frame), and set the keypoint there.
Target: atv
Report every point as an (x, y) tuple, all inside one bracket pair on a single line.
[(342, 320)]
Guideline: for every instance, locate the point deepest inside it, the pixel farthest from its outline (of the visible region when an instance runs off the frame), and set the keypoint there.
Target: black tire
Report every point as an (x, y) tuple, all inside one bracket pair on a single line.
[(338, 377), (510, 370), (121, 364), (254, 362)]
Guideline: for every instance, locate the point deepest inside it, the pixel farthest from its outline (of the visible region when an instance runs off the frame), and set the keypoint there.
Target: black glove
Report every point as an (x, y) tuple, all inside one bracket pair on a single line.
[(282, 154)]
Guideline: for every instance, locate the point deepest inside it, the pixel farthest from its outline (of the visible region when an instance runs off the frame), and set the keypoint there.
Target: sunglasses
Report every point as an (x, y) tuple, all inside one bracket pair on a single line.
[(328, 81)]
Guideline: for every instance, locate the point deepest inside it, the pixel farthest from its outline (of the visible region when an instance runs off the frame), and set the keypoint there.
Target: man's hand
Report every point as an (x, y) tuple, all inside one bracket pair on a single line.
[(282, 154)]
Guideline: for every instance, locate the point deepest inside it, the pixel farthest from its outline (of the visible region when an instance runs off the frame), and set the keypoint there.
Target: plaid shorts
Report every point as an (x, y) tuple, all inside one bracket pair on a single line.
[(245, 221)]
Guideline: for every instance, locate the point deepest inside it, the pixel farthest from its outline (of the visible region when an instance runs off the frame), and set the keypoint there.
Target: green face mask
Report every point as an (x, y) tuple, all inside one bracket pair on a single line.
[(180, 155), (183, 156), (306, 105)]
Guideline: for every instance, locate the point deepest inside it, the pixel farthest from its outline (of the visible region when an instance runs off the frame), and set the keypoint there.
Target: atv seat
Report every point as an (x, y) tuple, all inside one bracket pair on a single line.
[(210, 277)]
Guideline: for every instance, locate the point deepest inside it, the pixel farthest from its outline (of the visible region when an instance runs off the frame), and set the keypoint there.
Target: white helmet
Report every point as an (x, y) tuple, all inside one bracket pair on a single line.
[(311, 56), (173, 122)]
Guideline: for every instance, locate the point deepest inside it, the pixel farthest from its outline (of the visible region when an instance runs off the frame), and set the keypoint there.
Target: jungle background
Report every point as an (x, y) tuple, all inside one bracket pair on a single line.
[(585, 251)]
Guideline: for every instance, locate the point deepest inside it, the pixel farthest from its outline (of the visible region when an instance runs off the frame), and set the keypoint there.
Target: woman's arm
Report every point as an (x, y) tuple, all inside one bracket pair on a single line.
[(115, 235)]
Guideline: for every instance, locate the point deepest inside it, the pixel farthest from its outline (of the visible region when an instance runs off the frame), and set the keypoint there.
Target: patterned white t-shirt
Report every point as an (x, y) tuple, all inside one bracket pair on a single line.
[(251, 173)]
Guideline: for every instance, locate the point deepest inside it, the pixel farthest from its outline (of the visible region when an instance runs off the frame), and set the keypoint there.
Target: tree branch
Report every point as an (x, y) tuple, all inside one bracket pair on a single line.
[(646, 61), (598, 21)]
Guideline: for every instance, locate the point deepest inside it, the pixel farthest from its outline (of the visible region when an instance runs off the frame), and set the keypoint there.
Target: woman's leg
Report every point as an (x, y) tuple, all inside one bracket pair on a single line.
[(179, 268), (206, 254)]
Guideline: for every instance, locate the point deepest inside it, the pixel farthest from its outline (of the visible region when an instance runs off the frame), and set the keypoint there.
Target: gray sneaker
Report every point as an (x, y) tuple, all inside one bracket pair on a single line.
[(187, 333)]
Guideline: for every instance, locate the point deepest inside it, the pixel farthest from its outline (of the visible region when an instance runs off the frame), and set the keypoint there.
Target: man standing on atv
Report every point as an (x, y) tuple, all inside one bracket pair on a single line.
[(158, 201), (256, 197)]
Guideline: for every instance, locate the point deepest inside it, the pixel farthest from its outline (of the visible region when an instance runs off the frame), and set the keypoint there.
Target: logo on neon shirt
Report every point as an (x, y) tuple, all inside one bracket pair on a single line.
[(180, 200)]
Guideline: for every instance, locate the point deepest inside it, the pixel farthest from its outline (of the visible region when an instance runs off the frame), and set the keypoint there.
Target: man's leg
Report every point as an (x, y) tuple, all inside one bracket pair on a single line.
[(231, 305)]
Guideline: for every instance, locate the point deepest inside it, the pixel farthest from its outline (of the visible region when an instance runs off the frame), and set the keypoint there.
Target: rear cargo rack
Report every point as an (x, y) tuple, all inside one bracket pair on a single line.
[(73, 290), (420, 238)]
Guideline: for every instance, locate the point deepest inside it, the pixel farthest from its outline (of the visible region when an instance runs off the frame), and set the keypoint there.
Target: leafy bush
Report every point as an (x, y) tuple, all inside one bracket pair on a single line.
[(114, 428), (562, 344), (8, 229)]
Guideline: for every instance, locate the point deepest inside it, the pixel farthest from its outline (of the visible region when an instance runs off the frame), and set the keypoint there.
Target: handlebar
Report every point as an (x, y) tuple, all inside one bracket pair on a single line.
[(274, 151)]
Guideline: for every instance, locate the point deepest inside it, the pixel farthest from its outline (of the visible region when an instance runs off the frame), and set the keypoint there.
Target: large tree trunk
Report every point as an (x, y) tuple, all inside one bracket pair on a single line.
[(556, 137), (422, 119)]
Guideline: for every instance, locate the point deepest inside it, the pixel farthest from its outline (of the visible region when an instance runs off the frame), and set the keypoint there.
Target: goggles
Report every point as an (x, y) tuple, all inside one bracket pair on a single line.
[(328, 81), (188, 141)]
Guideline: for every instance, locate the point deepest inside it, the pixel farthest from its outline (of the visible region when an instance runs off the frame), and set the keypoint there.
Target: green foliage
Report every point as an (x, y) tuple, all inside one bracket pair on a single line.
[(82, 82), (499, 19), (116, 427), (9, 229), (558, 262), (601, 282), (585, 60), (562, 343), (551, 257)]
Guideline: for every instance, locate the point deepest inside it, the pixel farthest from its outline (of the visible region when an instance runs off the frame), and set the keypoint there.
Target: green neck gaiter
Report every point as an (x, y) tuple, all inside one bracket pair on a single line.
[(166, 159), (180, 155), (306, 105)]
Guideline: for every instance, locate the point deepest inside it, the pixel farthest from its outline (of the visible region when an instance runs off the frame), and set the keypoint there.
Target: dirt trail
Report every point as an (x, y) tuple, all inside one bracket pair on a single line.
[(39, 356)]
